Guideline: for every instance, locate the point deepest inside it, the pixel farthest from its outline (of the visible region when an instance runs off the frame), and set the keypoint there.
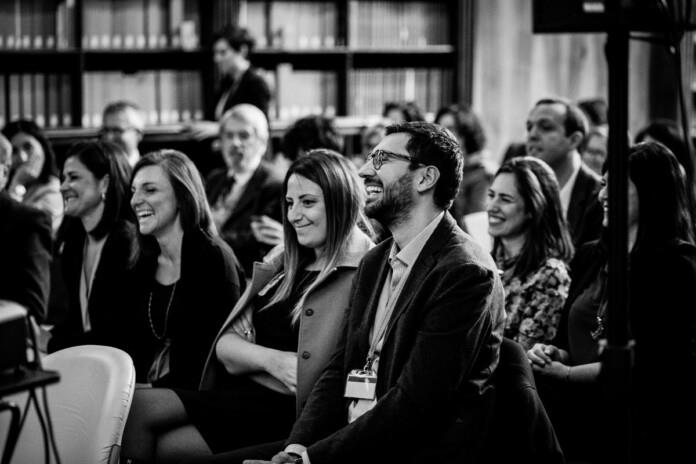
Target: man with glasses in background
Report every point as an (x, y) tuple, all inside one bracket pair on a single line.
[(123, 123), (410, 381)]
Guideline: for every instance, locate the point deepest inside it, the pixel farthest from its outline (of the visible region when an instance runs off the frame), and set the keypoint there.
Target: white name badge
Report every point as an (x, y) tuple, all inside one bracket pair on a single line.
[(361, 384)]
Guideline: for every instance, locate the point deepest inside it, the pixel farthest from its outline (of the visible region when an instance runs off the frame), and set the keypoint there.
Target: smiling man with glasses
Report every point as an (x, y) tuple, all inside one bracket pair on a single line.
[(123, 123)]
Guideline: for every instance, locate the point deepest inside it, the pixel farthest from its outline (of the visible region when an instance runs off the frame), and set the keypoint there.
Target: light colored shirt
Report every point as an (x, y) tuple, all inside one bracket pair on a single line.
[(87, 277), (401, 262)]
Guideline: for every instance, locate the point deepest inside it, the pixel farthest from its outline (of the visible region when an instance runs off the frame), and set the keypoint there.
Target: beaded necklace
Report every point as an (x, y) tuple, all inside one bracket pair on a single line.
[(166, 314)]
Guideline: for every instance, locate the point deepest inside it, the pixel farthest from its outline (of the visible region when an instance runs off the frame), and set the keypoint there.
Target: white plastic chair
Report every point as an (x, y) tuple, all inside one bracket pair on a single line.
[(88, 406)]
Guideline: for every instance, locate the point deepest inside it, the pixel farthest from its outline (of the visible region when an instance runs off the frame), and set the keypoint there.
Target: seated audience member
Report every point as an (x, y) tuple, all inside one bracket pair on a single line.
[(304, 135), (369, 138), (596, 111), (594, 155), (478, 173), (398, 112), (424, 325), (124, 123), (186, 278), (556, 130), (96, 247), (246, 188), (34, 174), (280, 334), (531, 244), (662, 275), (25, 247)]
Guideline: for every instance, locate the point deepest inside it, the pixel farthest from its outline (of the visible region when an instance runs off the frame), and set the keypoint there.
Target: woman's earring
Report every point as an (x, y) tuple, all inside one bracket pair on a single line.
[(103, 196)]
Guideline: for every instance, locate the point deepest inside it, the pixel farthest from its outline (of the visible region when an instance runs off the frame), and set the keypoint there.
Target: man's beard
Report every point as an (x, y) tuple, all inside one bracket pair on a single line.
[(395, 205)]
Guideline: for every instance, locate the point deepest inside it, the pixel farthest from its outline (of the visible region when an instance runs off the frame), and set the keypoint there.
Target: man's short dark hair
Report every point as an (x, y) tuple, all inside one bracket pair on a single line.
[(575, 120), (433, 145), (236, 37)]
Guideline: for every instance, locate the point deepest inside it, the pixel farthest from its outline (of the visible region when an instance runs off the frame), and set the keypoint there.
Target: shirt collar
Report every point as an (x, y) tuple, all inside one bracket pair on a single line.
[(409, 253)]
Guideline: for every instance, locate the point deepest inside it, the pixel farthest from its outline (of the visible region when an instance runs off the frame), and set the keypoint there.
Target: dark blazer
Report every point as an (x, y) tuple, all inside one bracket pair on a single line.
[(260, 197), (662, 313), (25, 255), (252, 89), (435, 367), (584, 211), (520, 415), (209, 286), (108, 306)]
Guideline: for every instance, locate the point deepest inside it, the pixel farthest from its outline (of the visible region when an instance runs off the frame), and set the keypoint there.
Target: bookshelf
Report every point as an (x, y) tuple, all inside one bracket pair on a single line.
[(65, 59)]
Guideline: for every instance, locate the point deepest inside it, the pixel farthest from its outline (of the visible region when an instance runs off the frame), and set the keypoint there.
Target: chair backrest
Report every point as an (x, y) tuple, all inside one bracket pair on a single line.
[(88, 407), (521, 429)]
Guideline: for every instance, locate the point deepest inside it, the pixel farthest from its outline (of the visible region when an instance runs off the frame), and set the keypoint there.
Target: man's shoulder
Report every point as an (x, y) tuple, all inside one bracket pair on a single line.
[(21, 215), (267, 177), (587, 178)]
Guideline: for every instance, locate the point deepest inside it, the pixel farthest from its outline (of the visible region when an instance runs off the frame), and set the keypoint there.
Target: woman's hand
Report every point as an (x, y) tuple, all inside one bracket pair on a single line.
[(267, 230), (554, 369), (541, 354), (244, 327), (283, 366)]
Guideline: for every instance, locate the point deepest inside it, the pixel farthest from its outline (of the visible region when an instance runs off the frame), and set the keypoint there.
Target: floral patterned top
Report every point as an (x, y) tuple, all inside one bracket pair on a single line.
[(534, 305)]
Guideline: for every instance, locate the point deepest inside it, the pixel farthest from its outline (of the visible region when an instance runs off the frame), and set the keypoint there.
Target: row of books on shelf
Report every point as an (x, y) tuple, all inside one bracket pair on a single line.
[(314, 25), (162, 24), (140, 24), (36, 24), (45, 98), (107, 24), (172, 97), (391, 24), (369, 89), (165, 97)]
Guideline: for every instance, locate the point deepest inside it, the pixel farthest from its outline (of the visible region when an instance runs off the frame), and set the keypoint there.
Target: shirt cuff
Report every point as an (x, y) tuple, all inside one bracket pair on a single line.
[(298, 449)]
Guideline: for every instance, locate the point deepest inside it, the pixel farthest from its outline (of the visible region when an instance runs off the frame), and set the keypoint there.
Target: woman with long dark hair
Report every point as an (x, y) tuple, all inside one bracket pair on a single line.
[(186, 277), (662, 312), (96, 247), (531, 245), (34, 172)]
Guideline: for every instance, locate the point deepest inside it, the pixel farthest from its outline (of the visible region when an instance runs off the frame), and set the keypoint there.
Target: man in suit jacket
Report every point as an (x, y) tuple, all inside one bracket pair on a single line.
[(556, 131), (25, 247), (424, 326), (245, 190)]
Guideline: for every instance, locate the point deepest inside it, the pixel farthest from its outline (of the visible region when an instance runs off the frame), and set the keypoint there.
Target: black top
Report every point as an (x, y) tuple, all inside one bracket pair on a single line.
[(210, 284), (25, 254), (251, 88)]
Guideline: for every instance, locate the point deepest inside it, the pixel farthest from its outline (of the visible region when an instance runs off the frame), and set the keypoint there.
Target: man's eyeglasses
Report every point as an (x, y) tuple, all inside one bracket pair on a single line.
[(378, 156), (116, 130)]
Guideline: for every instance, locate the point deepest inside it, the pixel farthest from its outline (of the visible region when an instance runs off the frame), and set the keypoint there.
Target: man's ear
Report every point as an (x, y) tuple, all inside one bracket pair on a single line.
[(576, 139), (427, 179)]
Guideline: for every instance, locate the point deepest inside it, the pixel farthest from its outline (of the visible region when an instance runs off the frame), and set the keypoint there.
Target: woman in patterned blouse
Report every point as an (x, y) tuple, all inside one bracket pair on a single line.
[(531, 245)]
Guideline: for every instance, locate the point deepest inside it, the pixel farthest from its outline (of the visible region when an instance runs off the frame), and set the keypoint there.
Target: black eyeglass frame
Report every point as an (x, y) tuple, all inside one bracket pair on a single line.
[(378, 156)]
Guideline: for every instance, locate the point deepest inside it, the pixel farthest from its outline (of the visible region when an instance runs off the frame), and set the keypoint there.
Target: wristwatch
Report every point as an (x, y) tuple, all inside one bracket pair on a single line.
[(298, 458)]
